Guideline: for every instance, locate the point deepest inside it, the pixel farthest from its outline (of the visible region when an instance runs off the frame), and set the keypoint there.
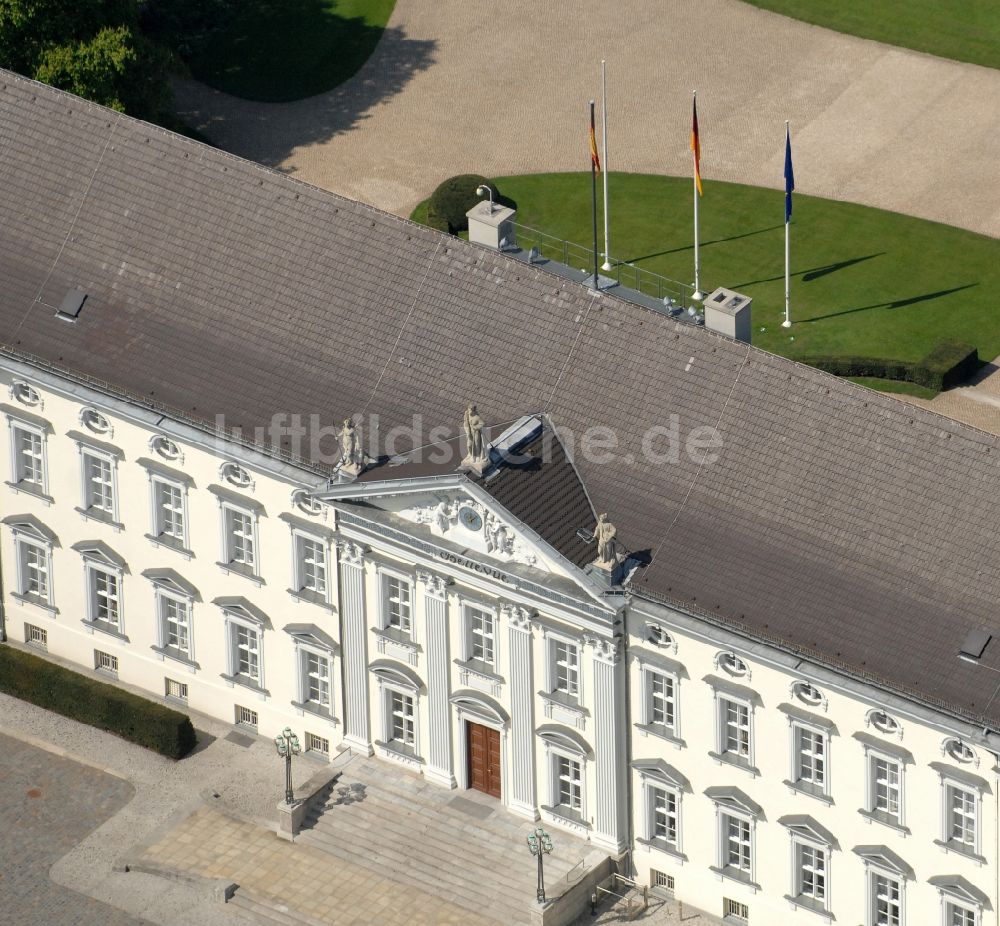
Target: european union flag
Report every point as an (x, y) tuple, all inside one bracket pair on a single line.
[(789, 175)]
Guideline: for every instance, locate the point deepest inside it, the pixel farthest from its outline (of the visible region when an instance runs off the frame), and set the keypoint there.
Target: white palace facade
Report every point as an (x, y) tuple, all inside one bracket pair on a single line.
[(771, 694), (416, 618)]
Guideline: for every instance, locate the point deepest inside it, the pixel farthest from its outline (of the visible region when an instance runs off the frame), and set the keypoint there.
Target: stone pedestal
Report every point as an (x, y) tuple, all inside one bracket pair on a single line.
[(488, 227)]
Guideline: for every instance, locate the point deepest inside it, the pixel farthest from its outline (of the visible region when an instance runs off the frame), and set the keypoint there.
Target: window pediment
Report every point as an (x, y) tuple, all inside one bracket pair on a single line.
[(238, 606), (28, 526), (98, 551), (734, 799), (397, 674), (567, 739), (312, 635), (659, 771), (889, 749), (806, 826), (883, 857), (958, 887), (172, 581)]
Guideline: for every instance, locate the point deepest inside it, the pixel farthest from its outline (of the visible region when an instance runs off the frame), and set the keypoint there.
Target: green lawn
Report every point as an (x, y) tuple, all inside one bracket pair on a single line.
[(276, 51), (967, 30), (865, 282)]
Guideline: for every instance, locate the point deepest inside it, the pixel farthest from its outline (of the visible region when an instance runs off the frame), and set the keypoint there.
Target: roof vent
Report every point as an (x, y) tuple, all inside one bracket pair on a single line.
[(69, 309), (974, 645), (521, 432)]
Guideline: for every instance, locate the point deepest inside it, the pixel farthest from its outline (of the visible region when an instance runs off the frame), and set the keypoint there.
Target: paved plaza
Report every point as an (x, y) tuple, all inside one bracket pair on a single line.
[(84, 804), (456, 87), (49, 805)]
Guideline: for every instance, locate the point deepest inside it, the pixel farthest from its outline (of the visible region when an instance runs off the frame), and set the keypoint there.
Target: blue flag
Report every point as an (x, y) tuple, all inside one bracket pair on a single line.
[(789, 176)]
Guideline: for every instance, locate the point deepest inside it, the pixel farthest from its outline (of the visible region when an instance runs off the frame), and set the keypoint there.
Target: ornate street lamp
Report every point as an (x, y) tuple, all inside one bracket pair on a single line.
[(540, 844), (287, 744)]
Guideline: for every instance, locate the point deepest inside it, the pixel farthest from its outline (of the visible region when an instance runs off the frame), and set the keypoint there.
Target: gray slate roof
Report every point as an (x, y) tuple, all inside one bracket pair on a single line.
[(837, 520)]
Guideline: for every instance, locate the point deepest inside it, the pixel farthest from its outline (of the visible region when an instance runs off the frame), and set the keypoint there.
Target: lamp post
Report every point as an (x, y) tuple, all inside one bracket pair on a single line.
[(287, 744), (482, 190), (540, 844)]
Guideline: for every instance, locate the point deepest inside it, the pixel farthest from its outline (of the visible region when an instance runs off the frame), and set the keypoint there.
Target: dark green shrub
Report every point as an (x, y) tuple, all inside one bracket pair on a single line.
[(89, 701), (449, 203), (948, 364)]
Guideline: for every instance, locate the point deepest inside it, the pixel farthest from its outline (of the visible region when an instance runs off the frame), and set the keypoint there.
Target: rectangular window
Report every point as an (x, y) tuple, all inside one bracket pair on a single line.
[(735, 912), (810, 758), (663, 815), (885, 787), (311, 559), (961, 817), (168, 511), (104, 598), (36, 636), (397, 604), (737, 843), (887, 904), (246, 717), (569, 784), (176, 690), (98, 484), (247, 652), (402, 718), (318, 744), (566, 675), (105, 662), (317, 680), (810, 872), (34, 570), (661, 882), (29, 460), (481, 635), (241, 548), (956, 915), (735, 719), (660, 695), (176, 624)]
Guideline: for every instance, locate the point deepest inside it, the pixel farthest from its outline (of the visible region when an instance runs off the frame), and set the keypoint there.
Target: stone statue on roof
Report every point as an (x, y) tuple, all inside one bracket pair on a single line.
[(476, 455), (352, 458), (609, 549)]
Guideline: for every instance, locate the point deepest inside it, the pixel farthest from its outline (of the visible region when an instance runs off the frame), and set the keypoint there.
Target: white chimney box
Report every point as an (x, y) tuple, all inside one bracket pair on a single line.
[(728, 312)]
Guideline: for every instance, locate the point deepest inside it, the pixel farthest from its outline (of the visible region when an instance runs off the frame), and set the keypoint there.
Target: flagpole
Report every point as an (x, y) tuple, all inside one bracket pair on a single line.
[(787, 323), (604, 165), (593, 188), (697, 294)]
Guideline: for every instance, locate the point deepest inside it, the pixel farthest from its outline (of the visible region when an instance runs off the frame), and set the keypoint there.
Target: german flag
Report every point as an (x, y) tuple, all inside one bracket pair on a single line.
[(695, 145), (595, 159)]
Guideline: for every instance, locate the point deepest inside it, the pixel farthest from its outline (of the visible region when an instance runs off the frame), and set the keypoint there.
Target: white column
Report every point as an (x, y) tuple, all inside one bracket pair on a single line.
[(609, 763), (440, 762), (522, 799), (354, 633)]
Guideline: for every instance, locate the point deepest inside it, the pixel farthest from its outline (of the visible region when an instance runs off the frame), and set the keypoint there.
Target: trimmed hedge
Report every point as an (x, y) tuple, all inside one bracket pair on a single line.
[(947, 365), (146, 723), (449, 203)]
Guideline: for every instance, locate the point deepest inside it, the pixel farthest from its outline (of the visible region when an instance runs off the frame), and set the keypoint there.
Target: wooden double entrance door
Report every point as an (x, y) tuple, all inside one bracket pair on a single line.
[(484, 759)]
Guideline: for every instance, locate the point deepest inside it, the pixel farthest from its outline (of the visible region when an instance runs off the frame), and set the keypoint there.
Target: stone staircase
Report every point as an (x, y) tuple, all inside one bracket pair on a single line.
[(459, 845), (268, 911)]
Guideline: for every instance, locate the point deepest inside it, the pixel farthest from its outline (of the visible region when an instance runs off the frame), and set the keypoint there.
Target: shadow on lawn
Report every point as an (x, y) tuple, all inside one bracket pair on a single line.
[(898, 304), (816, 272), (704, 244)]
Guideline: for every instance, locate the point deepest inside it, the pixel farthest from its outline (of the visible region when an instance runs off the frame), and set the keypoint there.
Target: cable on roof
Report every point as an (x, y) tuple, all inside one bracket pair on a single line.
[(72, 225), (694, 479), (402, 327)]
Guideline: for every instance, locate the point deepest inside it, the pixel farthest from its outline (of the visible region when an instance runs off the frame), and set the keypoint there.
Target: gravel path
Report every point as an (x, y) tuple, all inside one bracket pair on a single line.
[(502, 88)]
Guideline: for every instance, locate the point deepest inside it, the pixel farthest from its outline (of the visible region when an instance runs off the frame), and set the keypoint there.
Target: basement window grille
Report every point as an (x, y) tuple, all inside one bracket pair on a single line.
[(176, 690), (246, 717), (661, 883), (735, 912), (36, 636), (318, 744), (105, 662)]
